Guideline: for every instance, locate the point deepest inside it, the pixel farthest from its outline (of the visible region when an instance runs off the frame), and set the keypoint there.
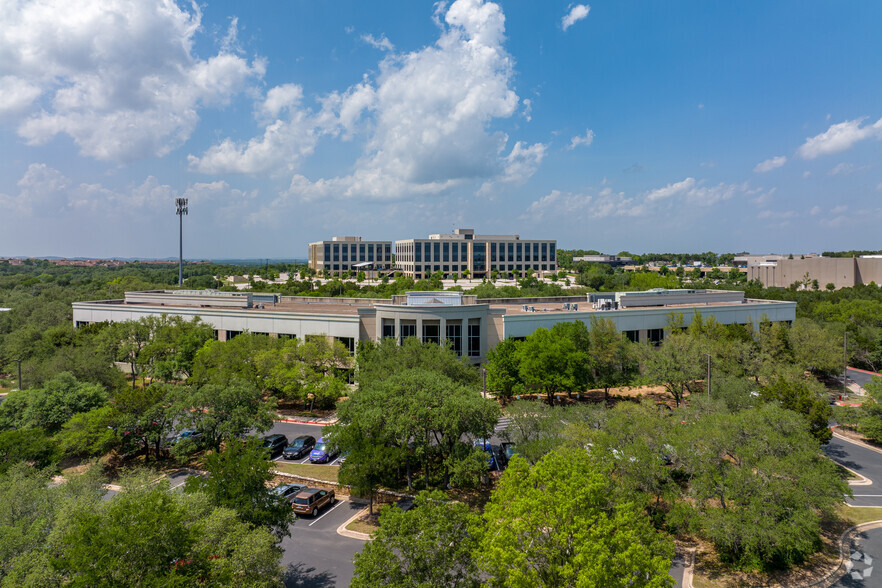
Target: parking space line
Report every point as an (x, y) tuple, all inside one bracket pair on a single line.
[(327, 512)]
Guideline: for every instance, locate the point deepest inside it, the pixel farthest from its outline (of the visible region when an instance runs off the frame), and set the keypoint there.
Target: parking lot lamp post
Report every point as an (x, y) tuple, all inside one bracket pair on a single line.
[(484, 379)]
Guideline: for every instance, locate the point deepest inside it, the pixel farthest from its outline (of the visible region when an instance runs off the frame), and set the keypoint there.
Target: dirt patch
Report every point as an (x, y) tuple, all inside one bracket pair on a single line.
[(710, 572), (365, 523)]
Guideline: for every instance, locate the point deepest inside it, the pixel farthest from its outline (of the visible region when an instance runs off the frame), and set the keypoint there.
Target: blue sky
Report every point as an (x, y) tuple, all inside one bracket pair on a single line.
[(640, 126)]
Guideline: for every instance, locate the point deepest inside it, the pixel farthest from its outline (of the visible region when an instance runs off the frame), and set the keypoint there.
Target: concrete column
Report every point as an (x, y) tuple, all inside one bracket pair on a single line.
[(419, 329), (643, 335), (398, 329), (443, 331), (221, 335)]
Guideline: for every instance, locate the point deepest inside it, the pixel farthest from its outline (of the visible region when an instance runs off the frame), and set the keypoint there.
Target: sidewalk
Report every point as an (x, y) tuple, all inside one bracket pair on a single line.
[(318, 421)]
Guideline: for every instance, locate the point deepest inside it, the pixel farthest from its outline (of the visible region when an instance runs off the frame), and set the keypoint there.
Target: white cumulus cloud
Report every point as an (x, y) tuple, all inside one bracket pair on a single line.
[(839, 137), (585, 139), (120, 77), (577, 12), (425, 120), (671, 190), (381, 42), (770, 164)]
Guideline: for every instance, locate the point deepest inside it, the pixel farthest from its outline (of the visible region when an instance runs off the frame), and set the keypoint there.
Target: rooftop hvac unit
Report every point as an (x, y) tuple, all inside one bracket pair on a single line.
[(566, 306), (526, 308), (532, 309), (575, 306)]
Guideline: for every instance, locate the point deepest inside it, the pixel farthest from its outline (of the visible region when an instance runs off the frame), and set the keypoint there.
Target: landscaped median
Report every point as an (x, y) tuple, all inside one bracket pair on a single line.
[(326, 473)]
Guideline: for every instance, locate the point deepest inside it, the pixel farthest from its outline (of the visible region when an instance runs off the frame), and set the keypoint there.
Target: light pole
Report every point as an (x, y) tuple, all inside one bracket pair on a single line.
[(181, 210), (484, 378), (19, 372)]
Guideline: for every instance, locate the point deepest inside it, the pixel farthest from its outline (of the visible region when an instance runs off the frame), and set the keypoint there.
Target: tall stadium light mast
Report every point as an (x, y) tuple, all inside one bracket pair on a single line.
[(181, 206)]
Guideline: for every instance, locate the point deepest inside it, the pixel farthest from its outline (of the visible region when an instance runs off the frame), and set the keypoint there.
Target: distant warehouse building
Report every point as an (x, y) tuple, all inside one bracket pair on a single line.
[(481, 255), (471, 325), (842, 272)]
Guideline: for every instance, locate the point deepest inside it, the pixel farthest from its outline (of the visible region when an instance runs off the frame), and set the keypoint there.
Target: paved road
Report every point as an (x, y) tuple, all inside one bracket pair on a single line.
[(860, 377), (865, 462), (315, 555), (866, 552)]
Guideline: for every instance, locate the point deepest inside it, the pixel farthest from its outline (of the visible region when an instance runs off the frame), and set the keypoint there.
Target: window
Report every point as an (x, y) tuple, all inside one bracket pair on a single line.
[(551, 252), (418, 253), (545, 252), (492, 252), (520, 252), (431, 333), (510, 253), (361, 252), (535, 251), (436, 252), (526, 251), (455, 247), (327, 252), (345, 253), (336, 252), (655, 336), (408, 330), (427, 251), (348, 342), (388, 328), (286, 336), (474, 340), (446, 250), (231, 334), (479, 256), (388, 252), (454, 335)]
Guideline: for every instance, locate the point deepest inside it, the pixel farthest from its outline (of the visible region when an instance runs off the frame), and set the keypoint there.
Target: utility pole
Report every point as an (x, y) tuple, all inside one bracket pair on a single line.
[(180, 210), (19, 372), (708, 374), (845, 356)]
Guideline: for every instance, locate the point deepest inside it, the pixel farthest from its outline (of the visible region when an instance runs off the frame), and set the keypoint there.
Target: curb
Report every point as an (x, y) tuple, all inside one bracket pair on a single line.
[(298, 422), (342, 530)]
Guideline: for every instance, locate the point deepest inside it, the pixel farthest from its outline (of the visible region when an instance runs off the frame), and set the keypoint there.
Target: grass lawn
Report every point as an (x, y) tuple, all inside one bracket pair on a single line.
[(364, 524), (861, 514), (319, 472)]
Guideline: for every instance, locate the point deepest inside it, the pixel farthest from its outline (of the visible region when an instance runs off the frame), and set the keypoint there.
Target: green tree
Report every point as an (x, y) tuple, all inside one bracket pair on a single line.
[(218, 362), (799, 397), (503, 370), (564, 522), (676, 364), (90, 433), (147, 416), (150, 536), (237, 479), (25, 445), (545, 363), (816, 348), (427, 546), (610, 355), (377, 361), (51, 406), (303, 370), (226, 411), (758, 485)]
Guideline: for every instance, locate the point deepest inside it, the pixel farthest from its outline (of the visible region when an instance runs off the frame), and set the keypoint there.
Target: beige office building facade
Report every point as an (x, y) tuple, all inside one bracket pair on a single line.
[(480, 255), (842, 272), (342, 254)]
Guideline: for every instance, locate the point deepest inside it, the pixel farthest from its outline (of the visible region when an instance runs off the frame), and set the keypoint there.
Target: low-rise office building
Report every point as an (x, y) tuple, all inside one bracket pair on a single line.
[(480, 255), (471, 325), (342, 254)]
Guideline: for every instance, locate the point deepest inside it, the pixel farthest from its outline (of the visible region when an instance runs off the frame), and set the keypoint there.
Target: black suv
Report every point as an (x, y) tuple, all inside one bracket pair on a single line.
[(274, 443), (299, 447)]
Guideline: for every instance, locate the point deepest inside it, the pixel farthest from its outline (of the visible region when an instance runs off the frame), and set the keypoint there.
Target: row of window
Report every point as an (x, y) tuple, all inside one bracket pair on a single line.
[(358, 252), (427, 269), (446, 251), (432, 334)]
